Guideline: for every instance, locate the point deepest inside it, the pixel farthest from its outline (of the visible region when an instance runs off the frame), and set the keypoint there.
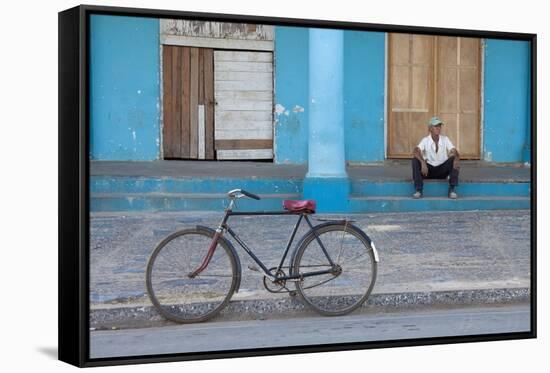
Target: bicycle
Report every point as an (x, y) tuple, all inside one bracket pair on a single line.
[(192, 273)]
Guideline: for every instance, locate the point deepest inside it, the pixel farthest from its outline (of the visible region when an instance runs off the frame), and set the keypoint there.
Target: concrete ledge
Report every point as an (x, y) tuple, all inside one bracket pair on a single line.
[(408, 204), (147, 316)]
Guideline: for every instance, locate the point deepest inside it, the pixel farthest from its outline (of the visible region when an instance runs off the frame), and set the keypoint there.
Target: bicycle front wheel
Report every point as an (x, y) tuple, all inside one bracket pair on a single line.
[(350, 283), (177, 296)]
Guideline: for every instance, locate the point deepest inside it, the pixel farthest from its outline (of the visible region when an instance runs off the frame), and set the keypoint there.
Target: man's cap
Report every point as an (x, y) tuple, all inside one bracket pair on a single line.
[(435, 121)]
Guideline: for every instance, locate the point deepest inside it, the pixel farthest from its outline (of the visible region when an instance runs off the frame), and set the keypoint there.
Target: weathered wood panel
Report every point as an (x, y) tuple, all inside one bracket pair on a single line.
[(256, 85), (209, 103), (186, 97), (188, 103), (244, 154), (172, 105), (428, 76), (212, 43), (247, 67), (236, 56), (411, 91), (244, 134), (459, 84), (243, 144), (194, 104), (243, 125), (220, 30), (244, 105), (243, 116), (217, 35)]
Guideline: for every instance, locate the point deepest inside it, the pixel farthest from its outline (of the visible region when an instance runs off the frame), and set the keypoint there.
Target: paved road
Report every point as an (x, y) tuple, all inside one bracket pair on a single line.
[(310, 330), (439, 251)]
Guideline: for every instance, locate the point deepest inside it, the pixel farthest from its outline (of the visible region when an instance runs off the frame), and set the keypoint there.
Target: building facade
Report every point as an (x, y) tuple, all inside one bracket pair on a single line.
[(203, 90)]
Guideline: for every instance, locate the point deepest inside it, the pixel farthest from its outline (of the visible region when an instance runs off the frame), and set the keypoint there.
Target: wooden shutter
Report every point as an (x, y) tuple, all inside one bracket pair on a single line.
[(458, 92), (188, 103), (244, 105), (411, 91), (428, 76)]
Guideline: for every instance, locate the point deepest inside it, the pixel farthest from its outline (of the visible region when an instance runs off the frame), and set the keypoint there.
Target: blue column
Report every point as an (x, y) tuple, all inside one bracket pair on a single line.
[(326, 181)]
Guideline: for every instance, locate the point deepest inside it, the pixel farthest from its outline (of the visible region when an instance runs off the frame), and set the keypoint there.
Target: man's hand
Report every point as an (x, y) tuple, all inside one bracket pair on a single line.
[(424, 169), (456, 160), (456, 163)]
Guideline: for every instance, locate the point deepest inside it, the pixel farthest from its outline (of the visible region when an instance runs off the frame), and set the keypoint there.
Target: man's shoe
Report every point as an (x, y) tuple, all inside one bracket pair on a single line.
[(452, 193), (417, 194)]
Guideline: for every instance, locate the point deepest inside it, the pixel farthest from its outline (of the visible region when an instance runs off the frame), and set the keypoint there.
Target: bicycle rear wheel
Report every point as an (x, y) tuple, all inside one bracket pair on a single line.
[(177, 296), (352, 281)]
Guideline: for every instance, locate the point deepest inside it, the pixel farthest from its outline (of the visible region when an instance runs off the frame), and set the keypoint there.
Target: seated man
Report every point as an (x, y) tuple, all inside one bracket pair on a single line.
[(435, 158)]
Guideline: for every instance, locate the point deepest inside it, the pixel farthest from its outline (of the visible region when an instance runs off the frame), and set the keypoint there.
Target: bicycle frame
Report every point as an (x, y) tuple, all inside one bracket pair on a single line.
[(224, 227)]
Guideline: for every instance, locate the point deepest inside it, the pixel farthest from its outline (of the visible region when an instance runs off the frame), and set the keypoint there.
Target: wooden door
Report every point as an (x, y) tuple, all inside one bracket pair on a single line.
[(188, 102), (244, 105), (411, 91), (458, 92), (429, 76)]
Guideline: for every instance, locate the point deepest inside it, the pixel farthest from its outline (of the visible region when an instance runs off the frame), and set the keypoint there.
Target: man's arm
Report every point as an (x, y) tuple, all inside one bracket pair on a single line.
[(456, 161), (417, 153)]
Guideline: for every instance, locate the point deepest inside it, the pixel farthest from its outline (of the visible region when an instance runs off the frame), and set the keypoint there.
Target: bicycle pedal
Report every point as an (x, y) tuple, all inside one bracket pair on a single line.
[(253, 268)]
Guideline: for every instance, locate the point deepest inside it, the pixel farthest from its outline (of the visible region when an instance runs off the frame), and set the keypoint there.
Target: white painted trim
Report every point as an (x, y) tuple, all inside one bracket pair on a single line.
[(482, 103), (217, 43), (202, 132), (386, 95)]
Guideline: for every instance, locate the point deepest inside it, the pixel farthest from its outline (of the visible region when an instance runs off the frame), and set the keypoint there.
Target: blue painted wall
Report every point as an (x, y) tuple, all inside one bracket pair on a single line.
[(507, 100), (364, 66), (124, 88), (364, 59), (125, 93), (291, 94)]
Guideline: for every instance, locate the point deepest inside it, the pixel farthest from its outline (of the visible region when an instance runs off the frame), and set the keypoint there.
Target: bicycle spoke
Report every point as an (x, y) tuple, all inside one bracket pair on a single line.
[(365, 253), (348, 289), (180, 298)]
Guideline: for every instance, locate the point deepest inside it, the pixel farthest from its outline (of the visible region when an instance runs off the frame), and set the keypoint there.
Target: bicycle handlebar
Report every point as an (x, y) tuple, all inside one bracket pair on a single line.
[(248, 194)]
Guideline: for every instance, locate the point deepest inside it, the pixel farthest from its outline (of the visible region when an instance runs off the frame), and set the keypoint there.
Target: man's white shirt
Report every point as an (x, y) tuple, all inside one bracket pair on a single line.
[(427, 147)]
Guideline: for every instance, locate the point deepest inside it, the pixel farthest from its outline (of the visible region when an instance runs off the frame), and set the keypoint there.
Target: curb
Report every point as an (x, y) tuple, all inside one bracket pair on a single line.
[(261, 309)]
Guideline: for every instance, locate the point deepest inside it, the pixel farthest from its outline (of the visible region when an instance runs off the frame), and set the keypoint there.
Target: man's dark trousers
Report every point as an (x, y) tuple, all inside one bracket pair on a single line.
[(434, 172)]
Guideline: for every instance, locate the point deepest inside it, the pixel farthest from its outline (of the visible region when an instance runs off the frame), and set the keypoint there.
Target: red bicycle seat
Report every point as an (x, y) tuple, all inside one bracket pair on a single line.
[(307, 206)]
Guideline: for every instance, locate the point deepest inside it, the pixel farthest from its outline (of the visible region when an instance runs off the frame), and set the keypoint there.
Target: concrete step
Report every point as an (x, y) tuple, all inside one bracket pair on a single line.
[(361, 187), (173, 193), (403, 204), (174, 184), (183, 202), (273, 202), (433, 188)]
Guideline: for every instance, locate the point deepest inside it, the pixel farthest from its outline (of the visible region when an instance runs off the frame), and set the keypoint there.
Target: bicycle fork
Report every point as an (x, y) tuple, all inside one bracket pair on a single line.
[(209, 254), (214, 243)]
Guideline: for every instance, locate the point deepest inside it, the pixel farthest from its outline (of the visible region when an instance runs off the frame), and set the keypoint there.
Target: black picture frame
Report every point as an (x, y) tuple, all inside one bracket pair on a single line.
[(74, 167)]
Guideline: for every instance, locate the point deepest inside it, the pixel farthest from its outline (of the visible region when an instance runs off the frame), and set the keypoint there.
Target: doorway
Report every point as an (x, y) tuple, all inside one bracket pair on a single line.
[(433, 75)]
